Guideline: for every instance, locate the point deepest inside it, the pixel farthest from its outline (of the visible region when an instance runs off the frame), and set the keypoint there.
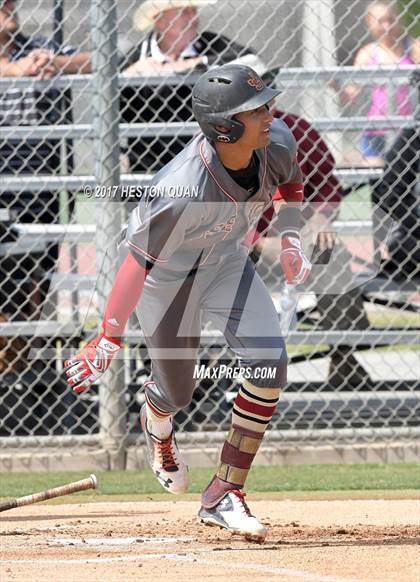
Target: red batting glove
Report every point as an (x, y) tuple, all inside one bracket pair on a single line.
[(92, 362), (295, 265)]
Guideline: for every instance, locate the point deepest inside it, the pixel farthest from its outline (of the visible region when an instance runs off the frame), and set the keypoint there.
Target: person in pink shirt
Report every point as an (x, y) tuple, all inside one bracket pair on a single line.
[(391, 46)]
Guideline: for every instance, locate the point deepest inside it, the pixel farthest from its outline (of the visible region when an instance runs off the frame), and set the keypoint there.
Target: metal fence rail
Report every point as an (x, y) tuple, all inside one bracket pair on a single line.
[(78, 183), (291, 76), (85, 131)]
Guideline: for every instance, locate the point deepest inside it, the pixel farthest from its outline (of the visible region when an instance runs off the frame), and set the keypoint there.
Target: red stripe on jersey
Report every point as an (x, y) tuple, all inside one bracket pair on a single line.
[(147, 255), (202, 156), (243, 404), (265, 167)]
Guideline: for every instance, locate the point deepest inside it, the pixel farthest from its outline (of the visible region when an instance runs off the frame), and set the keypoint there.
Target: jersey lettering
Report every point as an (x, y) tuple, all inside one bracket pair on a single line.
[(221, 227)]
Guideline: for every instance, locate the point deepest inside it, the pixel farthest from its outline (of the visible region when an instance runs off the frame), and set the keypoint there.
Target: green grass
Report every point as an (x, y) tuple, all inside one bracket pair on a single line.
[(295, 479), (410, 17)]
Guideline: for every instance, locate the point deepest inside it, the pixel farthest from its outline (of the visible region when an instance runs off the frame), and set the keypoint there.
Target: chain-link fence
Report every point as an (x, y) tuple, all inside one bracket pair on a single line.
[(98, 94)]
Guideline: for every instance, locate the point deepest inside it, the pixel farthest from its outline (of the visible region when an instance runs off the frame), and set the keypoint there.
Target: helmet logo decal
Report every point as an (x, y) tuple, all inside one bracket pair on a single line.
[(256, 82)]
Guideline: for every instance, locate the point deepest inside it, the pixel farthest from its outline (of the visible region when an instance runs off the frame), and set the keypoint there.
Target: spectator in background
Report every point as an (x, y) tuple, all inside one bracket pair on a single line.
[(323, 194), (24, 276), (38, 57), (173, 45), (391, 46)]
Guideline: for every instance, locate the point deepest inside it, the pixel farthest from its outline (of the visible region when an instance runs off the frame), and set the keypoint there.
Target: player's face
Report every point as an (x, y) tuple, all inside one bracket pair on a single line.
[(8, 17), (257, 124)]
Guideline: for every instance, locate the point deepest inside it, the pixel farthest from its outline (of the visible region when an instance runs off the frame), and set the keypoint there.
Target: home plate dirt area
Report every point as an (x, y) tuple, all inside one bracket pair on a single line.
[(311, 541)]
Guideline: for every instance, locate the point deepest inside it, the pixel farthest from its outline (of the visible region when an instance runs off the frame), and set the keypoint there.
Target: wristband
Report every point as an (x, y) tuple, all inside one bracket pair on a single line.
[(289, 221)]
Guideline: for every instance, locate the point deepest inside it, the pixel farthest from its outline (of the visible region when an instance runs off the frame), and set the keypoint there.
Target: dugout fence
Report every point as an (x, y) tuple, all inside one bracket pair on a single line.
[(372, 398)]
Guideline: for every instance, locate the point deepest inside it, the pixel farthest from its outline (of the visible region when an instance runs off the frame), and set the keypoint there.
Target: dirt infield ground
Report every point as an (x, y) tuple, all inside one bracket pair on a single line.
[(310, 541)]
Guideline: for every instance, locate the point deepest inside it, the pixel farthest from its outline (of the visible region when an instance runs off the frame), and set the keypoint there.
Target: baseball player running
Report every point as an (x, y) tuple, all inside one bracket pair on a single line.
[(184, 261)]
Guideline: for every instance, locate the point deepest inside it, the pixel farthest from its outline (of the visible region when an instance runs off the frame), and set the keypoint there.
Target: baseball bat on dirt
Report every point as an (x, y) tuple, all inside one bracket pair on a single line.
[(89, 483)]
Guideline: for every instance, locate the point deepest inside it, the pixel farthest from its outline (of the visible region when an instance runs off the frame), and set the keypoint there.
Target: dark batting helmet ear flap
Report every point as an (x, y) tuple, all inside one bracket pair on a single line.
[(223, 92), (234, 130), (222, 129)]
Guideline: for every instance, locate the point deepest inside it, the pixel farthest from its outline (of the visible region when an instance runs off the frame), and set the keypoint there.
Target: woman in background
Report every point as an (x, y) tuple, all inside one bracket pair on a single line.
[(391, 46)]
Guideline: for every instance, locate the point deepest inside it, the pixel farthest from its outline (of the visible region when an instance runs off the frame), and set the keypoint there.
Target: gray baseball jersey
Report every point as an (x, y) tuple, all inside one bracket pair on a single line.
[(190, 225), (194, 212)]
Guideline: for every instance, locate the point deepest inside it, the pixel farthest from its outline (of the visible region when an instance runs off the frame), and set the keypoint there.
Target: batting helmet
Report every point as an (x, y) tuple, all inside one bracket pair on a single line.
[(224, 91)]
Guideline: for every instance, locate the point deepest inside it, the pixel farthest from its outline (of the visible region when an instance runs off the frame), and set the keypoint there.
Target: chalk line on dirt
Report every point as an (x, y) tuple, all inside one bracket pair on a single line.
[(299, 574)]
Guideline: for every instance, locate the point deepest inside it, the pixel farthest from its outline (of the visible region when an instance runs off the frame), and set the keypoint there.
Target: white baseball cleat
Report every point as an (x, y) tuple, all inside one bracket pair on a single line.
[(233, 513), (165, 459)]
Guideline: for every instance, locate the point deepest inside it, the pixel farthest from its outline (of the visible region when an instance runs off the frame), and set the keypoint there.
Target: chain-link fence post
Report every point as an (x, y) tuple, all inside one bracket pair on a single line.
[(112, 408)]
